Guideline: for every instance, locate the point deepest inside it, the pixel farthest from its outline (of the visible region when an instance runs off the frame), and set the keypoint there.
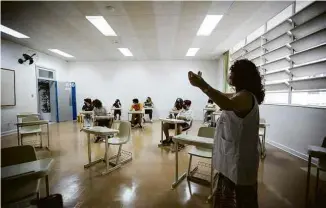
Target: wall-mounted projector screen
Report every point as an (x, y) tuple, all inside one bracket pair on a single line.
[(8, 94)]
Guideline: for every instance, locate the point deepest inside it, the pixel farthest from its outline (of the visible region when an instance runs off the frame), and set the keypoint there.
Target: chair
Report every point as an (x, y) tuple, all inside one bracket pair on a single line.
[(181, 146), (26, 130), (121, 138), (207, 132), (20, 190), (321, 166), (262, 135)]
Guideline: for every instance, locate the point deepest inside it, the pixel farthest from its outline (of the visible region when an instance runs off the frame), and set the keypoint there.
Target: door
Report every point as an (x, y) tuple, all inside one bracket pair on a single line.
[(66, 101)]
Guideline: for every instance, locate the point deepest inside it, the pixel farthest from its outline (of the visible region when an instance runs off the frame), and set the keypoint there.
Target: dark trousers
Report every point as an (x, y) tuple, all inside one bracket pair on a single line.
[(104, 122), (136, 119), (149, 112), (117, 112), (231, 195)]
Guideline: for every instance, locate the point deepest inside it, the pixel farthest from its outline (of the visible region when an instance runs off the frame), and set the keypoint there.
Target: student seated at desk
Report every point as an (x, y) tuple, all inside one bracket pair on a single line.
[(136, 118), (87, 107), (185, 114), (149, 104), (177, 107), (208, 114), (99, 110), (117, 104)]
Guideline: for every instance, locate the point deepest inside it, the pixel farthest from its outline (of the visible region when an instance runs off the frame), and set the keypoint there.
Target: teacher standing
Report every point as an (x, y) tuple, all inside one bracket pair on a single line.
[(235, 151)]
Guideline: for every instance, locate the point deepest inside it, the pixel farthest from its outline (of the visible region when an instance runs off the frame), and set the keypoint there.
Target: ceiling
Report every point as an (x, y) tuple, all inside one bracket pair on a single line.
[(152, 30)]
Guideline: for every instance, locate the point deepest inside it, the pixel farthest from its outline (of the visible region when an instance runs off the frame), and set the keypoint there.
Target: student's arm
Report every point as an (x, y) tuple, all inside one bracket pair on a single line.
[(241, 102), (187, 116), (131, 108)]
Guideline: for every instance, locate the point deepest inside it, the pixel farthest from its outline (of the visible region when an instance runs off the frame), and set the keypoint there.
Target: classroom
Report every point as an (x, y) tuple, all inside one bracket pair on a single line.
[(163, 104)]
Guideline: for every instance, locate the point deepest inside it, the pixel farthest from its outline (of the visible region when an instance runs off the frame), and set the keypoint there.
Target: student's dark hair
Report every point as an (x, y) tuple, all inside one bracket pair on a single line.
[(97, 103), (88, 100), (210, 101), (178, 101), (117, 101), (187, 102), (149, 98), (135, 100), (245, 76)]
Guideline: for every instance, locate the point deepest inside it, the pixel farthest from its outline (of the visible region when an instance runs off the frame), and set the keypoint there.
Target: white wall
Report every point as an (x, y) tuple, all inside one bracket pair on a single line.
[(26, 92), (164, 81), (293, 128)]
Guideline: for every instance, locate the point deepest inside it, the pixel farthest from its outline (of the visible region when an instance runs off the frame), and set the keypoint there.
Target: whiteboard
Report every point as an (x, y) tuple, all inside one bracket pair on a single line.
[(8, 93)]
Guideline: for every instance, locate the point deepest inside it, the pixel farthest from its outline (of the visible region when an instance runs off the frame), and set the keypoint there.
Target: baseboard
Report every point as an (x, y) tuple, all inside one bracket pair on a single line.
[(291, 151), (6, 133)]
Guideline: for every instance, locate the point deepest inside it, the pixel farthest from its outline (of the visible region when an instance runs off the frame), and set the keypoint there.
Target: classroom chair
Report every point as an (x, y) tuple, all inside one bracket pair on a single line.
[(207, 132), (28, 130), (262, 138), (321, 166), (120, 139), (181, 146), (17, 192)]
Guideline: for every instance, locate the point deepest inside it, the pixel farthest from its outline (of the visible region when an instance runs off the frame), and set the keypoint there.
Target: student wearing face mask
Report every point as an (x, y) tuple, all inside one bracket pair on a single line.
[(116, 113), (87, 107), (177, 107), (185, 114)]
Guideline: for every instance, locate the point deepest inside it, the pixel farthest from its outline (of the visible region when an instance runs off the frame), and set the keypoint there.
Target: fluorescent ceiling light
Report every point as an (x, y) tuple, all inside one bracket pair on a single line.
[(208, 25), (192, 51), (12, 32), (125, 51), (102, 25), (61, 53)]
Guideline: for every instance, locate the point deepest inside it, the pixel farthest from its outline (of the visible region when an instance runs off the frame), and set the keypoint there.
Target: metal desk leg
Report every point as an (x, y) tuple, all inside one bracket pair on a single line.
[(308, 182), (47, 185), (48, 131), (18, 137), (203, 116), (106, 157), (264, 142), (176, 179), (175, 129), (90, 163), (89, 148), (162, 131)]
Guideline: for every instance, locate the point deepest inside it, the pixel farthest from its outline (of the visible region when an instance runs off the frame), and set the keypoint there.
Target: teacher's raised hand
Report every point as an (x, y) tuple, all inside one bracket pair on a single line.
[(196, 79)]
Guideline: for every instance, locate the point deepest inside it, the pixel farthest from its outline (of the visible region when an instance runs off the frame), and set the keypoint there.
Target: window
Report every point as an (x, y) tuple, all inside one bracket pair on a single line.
[(46, 74), (256, 34), (283, 15), (296, 76), (317, 98), (276, 97), (299, 5), (238, 46)]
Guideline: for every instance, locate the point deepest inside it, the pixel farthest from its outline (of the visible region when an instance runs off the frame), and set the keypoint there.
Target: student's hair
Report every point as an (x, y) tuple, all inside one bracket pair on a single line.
[(187, 102), (245, 76), (88, 100), (135, 100), (97, 103), (149, 99), (117, 101), (210, 101), (178, 102)]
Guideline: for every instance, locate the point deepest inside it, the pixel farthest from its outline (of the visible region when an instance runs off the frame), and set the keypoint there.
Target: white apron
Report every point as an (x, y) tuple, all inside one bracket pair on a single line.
[(235, 151)]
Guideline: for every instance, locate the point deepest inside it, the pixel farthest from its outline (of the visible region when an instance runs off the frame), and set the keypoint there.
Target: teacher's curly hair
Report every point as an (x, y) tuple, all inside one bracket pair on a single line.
[(245, 76)]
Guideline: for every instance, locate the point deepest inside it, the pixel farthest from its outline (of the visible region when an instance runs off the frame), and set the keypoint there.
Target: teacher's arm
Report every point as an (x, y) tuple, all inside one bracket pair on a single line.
[(242, 101)]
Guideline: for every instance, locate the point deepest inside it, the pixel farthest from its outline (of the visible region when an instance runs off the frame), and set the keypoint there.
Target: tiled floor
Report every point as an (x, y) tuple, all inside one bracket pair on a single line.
[(146, 180)]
